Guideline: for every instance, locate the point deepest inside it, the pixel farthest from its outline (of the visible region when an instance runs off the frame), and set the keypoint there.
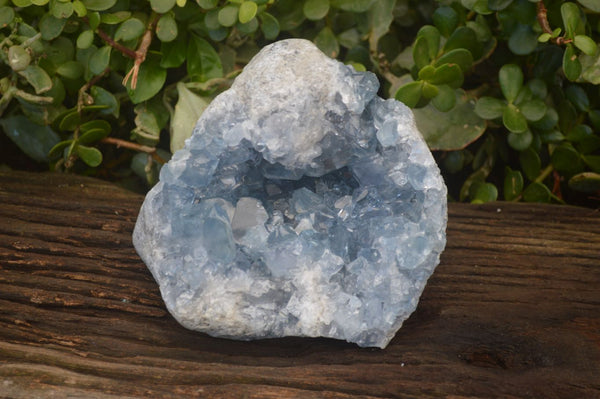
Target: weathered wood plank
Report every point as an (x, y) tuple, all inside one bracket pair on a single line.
[(513, 310)]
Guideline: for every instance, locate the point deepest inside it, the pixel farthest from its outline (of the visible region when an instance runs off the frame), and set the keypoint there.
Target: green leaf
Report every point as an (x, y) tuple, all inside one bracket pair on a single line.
[(571, 17), (173, 53), (449, 74), (537, 192), (566, 160), (207, 4), (247, 11), (420, 52), (147, 126), (591, 4), (533, 110), (511, 81), (587, 182), (97, 124), (410, 93), (38, 78), (248, 27), (445, 100), (70, 121), (590, 68), (548, 121), (94, 20), (381, 16), (523, 40), (352, 5), (85, 39), (315, 9), (203, 62), (571, 65), (59, 148), (269, 25), (460, 56), (188, 109), (464, 38), (551, 136), (166, 28), (593, 161), (115, 18), (162, 6), (498, 5), (530, 163), (18, 58), (151, 79), (51, 27), (433, 37), (90, 155), (578, 97), (98, 5), (429, 91), (538, 88), (70, 70), (544, 37), (485, 192), (452, 130), (489, 107), (7, 15), (586, 44), (79, 8), (513, 184), (520, 141), (228, 15), (129, 30), (99, 60), (445, 19), (107, 99), (427, 72), (513, 119), (34, 140), (92, 136), (327, 43), (61, 9)]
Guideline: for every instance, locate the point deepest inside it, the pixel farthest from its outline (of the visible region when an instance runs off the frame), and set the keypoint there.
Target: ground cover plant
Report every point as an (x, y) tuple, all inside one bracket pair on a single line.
[(111, 88)]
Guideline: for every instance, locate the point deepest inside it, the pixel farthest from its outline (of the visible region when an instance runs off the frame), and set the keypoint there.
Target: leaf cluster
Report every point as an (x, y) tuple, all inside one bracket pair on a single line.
[(505, 90)]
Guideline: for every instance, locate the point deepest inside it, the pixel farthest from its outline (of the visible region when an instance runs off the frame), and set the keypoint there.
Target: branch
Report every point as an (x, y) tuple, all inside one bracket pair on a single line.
[(86, 87), (109, 40), (542, 18), (140, 53), (134, 146)]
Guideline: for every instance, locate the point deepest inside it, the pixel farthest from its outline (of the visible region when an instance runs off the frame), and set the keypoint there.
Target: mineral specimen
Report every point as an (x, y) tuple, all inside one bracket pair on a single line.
[(303, 204)]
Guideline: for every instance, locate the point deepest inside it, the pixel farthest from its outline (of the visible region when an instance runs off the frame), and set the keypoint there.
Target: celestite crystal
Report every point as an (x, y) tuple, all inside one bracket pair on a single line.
[(302, 205)]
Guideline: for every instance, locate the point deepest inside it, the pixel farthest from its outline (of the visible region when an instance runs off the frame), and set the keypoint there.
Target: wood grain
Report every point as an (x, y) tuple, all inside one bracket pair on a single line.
[(513, 310)]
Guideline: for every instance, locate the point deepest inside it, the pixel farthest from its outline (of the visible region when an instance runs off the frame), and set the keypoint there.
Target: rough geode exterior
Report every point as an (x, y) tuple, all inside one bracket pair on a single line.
[(303, 204)]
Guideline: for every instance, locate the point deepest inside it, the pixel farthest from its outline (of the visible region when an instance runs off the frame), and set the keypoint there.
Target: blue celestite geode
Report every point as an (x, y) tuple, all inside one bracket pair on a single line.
[(303, 204)]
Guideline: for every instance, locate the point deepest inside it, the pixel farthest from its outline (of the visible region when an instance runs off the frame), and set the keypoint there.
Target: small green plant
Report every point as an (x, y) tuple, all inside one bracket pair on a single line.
[(505, 91)]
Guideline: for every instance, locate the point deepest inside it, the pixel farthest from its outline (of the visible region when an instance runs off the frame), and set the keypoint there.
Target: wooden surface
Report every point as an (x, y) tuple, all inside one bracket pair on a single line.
[(513, 310)]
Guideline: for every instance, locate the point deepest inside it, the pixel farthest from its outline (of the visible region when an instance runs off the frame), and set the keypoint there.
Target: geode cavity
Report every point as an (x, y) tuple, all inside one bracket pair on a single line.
[(303, 204)]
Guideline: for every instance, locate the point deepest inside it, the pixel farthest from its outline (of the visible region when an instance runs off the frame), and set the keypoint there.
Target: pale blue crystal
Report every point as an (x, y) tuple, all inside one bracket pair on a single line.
[(303, 204)]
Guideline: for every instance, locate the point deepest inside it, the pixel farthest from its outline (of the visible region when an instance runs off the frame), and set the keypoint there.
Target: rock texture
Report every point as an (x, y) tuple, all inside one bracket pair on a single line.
[(303, 204)]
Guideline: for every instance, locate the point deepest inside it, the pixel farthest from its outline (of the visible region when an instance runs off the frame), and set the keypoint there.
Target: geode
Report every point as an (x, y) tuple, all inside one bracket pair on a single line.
[(302, 205)]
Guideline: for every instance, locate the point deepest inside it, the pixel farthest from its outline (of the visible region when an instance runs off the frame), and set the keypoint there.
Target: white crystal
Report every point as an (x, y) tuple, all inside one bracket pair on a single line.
[(303, 204)]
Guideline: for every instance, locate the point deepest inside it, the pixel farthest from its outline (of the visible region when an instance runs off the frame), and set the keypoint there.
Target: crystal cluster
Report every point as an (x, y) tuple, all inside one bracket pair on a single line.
[(302, 205)]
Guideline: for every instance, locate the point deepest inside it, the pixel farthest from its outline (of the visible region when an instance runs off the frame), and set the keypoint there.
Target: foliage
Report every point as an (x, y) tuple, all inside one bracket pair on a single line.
[(505, 90)]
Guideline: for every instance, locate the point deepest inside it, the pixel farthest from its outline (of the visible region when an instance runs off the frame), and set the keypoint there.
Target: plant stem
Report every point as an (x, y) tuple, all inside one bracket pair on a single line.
[(545, 173), (109, 40), (134, 146), (140, 53), (542, 18)]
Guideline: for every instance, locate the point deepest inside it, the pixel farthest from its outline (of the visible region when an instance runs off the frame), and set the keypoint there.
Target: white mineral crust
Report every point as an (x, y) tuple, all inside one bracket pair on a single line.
[(302, 205)]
